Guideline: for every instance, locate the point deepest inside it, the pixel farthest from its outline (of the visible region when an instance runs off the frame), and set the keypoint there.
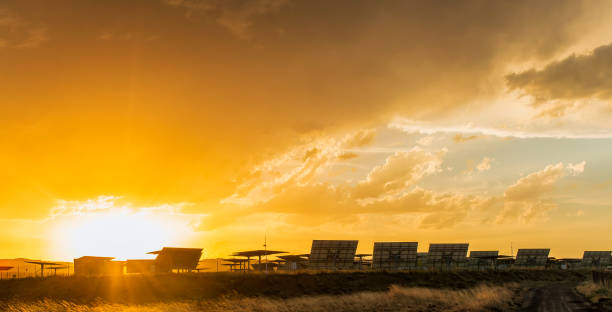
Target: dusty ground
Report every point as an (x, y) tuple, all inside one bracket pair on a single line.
[(553, 297)]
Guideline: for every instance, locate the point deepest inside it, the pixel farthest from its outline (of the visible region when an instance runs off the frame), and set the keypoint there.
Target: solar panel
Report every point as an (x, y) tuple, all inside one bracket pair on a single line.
[(332, 254), (483, 254), (394, 255), (532, 257), (597, 258), (172, 258), (447, 254)]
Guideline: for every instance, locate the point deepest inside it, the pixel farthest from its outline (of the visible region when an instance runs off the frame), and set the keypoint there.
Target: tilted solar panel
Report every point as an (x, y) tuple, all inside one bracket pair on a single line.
[(483, 254), (532, 257), (597, 258), (332, 254), (394, 255), (447, 254)]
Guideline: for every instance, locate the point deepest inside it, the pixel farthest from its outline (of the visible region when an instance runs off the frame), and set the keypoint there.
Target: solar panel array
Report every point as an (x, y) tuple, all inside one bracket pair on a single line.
[(446, 254), (597, 258), (394, 255), (332, 254), (532, 257)]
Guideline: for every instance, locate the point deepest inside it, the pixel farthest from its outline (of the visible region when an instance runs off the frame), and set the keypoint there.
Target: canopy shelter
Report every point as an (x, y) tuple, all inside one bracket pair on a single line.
[(42, 265), (360, 261), (256, 253), (241, 263), (265, 266), (181, 259), (57, 267)]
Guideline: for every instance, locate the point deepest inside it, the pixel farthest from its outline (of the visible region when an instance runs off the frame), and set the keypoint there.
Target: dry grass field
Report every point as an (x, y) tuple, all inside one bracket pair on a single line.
[(397, 298), (340, 291), (596, 294)]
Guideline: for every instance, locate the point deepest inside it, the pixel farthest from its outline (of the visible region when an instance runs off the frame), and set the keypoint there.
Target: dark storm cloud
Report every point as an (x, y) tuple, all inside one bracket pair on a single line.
[(578, 76)]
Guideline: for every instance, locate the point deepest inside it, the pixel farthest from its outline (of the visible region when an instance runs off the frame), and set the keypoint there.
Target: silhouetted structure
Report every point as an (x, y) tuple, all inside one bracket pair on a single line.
[(394, 255), (57, 267), (361, 263), (242, 264), (532, 257), (332, 254), (446, 256), (483, 259), (180, 259), (97, 266), (256, 253), (597, 259), (292, 262), (42, 265)]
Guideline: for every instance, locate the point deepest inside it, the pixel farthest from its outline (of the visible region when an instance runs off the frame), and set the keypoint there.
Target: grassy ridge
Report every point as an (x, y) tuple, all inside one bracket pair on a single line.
[(164, 288)]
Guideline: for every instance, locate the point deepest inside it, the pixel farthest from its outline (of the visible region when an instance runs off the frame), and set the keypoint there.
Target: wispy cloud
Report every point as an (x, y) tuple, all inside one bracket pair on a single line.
[(472, 131), (18, 33), (236, 16)]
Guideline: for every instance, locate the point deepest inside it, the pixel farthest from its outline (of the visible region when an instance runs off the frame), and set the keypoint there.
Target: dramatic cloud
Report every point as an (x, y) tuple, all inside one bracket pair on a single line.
[(299, 112), (526, 199), (186, 116), (399, 171), (573, 78)]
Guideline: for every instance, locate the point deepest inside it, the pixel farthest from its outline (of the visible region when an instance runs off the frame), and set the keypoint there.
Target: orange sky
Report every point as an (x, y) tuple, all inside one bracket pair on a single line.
[(129, 125)]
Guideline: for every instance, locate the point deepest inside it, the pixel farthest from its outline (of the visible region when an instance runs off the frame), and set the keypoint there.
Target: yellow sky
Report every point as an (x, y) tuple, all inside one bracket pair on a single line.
[(128, 125)]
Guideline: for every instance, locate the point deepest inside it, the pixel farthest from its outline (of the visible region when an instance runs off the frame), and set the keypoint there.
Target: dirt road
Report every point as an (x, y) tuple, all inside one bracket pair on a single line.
[(556, 297)]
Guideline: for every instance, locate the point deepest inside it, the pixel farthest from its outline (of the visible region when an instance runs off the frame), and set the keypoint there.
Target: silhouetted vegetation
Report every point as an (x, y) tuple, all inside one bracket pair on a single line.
[(140, 289)]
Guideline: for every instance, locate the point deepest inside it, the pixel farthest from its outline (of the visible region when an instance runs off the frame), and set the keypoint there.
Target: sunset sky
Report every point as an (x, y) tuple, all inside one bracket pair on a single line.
[(126, 126)]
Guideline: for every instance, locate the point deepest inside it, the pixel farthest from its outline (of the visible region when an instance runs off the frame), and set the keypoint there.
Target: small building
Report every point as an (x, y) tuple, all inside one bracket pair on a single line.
[(97, 266)]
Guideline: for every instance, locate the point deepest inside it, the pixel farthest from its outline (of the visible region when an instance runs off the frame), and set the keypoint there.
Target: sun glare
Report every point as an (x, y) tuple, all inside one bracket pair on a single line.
[(121, 234)]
